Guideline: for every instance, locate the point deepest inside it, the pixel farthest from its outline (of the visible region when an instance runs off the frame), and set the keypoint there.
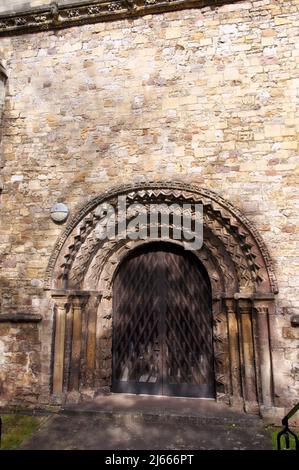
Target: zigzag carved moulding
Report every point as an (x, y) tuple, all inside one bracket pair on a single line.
[(233, 230), (86, 246)]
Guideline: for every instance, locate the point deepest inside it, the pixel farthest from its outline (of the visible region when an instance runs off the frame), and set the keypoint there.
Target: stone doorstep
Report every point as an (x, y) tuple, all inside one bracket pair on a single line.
[(92, 432), (143, 417), (157, 409), (122, 407), (126, 417), (160, 417)]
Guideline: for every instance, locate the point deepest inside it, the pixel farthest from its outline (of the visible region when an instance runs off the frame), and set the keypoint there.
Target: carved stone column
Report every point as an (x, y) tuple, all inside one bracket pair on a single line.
[(78, 302), (221, 362), (59, 342), (91, 341), (247, 356), (261, 309), (234, 352), (104, 334)]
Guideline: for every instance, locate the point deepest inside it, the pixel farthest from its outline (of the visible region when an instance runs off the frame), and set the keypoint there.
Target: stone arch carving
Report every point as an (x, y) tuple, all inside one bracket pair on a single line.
[(233, 231), (108, 262), (82, 267)]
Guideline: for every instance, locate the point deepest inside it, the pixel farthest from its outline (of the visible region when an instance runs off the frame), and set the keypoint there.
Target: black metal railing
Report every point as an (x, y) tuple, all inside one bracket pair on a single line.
[(286, 432), (0, 430)]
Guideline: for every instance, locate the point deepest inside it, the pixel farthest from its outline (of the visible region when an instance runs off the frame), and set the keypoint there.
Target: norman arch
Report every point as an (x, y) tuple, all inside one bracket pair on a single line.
[(80, 277)]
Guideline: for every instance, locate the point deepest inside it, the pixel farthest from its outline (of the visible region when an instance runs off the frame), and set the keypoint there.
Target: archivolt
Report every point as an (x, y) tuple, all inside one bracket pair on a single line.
[(234, 253)]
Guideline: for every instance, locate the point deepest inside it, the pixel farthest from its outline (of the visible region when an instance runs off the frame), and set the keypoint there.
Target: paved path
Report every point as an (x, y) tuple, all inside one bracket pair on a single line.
[(120, 422)]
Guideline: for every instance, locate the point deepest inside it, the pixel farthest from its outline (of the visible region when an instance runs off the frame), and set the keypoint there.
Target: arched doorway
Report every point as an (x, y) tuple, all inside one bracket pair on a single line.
[(162, 324), (81, 274)]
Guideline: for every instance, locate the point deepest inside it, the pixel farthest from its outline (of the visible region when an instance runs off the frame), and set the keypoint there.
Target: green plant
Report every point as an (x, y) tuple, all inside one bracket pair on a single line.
[(274, 432), (16, 428)]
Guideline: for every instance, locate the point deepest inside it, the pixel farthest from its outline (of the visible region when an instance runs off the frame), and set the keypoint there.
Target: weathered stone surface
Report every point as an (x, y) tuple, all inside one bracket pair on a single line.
[(208, 96), (129, 422), (19, 5), (20, 364)]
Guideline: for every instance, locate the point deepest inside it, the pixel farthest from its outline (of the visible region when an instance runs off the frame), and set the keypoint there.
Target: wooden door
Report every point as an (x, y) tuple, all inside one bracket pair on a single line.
[(162, 341)]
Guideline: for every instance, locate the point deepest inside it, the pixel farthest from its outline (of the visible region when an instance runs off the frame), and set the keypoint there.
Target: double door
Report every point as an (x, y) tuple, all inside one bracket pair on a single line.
[(162, 341)]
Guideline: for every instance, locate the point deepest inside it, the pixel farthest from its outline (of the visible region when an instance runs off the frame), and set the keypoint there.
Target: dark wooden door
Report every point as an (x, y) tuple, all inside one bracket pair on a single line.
[(162, 341)]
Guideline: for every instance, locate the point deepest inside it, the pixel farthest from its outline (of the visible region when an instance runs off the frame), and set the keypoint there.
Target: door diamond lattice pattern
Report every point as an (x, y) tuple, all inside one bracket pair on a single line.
[(162, 342)]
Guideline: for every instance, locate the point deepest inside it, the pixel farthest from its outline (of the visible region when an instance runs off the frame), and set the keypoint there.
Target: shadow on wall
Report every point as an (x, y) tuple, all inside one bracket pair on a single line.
[(3, 78)]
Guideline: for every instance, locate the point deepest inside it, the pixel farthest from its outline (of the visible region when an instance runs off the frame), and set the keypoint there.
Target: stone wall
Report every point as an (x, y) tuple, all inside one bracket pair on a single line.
[(208, 96), (11, 6), (2, 99), (20, 364)]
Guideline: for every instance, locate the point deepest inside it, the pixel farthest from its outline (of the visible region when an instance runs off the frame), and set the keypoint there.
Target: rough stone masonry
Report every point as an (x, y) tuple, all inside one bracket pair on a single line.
[(206, 95)]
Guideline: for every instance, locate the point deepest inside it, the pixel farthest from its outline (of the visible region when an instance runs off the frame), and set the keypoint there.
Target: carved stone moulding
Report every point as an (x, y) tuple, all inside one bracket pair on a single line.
[(81, 274), (57, 16), (230, 239)]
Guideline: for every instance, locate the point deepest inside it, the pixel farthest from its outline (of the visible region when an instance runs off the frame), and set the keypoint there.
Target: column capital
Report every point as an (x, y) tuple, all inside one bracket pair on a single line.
[(61, 301), (230, 304), (79, 300), (261, 309), (263, 305), (244, 306)]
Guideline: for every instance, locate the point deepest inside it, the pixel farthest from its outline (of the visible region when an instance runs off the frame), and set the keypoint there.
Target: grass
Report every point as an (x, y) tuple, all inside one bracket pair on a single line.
[(16, 429), (274, 432)]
